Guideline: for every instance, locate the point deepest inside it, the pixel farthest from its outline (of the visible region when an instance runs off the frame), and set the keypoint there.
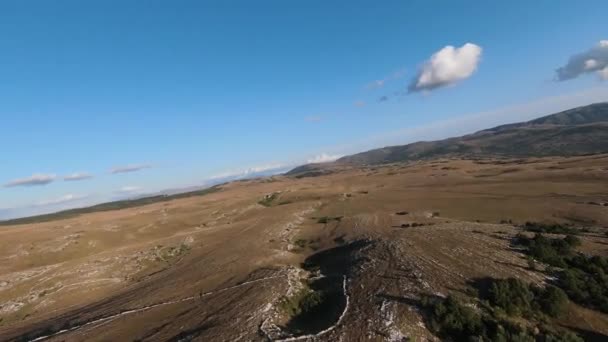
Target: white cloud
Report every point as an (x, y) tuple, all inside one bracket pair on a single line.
[(592, 60), (129, 189), (603, 74), (35, 179), (130, 168), (323, 158), (447, 66), (63, 199), (252, 171), (590, 64), (77, 176)]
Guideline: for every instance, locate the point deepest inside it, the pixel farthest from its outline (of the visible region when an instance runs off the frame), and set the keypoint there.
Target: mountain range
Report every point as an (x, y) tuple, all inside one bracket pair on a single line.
[(577, 131)]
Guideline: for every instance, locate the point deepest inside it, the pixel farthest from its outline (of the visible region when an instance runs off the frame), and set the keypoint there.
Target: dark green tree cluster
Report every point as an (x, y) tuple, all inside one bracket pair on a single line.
[(453, 321), (517, 298), (583, 278), (550, 251)]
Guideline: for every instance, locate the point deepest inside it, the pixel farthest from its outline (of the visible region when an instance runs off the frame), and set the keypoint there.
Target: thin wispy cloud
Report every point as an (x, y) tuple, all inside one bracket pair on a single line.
[(446, 67), (382, 82), (129, 189), (77, 176), (594, 60), (313, 118), (359, 103), (34, 180), (62, 200), (129, 168)]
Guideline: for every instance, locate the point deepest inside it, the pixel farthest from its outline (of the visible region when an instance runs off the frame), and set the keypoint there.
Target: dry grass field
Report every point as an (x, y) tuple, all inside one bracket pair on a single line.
[(226, 266)]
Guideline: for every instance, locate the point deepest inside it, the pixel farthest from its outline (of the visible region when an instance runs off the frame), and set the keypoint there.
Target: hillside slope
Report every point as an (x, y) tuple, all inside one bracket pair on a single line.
[(578, 131)]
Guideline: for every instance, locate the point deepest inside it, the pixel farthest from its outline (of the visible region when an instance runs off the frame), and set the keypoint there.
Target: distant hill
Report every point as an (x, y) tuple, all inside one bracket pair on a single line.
[(116, 205), (582, 130)]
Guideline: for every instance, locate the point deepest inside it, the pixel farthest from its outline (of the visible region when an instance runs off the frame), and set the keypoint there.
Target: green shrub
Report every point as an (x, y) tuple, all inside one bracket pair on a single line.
[(306, 300), (553, 301), (450, 318), (269, 199), (512, 295), (572, 240)]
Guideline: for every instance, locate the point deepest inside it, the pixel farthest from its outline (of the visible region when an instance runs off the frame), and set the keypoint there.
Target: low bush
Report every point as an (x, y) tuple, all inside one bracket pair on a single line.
[(269, 199), (327, 219), (302, 302)]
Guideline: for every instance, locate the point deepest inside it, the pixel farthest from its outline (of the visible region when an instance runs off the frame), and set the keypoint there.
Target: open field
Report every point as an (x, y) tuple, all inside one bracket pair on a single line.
[(223, 265)]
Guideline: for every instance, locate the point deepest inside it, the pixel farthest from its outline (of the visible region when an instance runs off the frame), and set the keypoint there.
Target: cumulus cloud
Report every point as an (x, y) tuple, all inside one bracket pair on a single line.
[(324, 158), (447, 66), (594, 60), (77, 176), (129, 168), (34, 180)]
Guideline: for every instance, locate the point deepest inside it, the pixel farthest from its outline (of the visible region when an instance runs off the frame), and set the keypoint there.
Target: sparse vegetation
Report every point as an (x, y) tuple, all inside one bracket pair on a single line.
[(550, 228), (169, 253), (301, 243), (268, 199), (328, 219)]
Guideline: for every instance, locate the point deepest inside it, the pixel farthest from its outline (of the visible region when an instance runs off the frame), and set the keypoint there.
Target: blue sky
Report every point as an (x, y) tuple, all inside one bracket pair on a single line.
[(184, 91)]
